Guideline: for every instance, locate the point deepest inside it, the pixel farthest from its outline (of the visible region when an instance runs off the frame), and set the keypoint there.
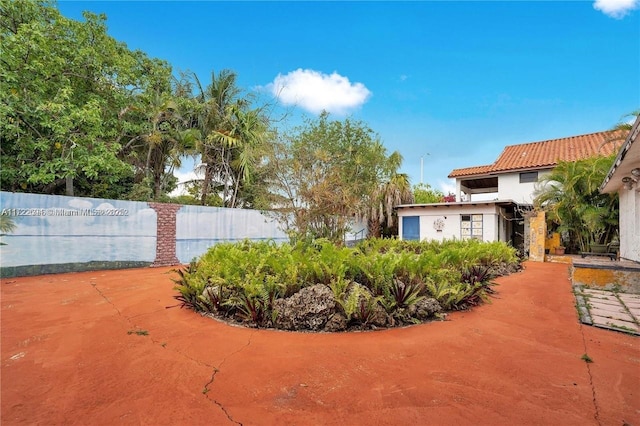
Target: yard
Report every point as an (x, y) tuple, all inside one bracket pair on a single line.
[(112, 347)]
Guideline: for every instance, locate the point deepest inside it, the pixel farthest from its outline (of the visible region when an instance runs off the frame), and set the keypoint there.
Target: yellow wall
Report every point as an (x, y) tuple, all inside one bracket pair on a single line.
[(537, 237), (606, 279), (552, 242)]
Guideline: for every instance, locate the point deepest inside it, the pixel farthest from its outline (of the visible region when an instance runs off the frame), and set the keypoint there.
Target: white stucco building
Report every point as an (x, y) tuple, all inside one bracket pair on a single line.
[(624, 178), (483, 220), (511, 181)]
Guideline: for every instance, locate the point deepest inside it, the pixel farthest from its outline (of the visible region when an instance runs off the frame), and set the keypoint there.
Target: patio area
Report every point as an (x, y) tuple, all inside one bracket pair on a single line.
[(610, 310), (112, 347)]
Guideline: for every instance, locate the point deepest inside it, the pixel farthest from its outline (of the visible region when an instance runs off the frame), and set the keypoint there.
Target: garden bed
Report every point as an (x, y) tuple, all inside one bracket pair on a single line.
[(320, 287)]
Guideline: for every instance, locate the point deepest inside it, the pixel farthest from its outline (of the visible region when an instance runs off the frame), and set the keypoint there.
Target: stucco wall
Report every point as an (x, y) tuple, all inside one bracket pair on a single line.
[(537, 237), (510, 188), (630, 224), (451, 218), (54, 233)]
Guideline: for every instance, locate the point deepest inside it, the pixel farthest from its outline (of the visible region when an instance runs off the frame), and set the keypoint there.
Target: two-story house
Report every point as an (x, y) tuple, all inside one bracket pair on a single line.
[(492, 201)]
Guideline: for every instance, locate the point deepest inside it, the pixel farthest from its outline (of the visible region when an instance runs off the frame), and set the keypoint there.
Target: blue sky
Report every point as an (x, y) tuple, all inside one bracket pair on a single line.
[(448, 82)]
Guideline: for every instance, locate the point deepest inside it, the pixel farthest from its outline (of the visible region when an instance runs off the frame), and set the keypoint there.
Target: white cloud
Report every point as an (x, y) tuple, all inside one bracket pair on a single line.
[(80, 204), (314, 91), (616, 8), (447, 187), (105, 206)]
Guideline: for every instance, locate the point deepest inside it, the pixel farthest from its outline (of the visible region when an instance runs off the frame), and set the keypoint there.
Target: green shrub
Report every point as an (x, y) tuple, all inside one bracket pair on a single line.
[(243, 279)]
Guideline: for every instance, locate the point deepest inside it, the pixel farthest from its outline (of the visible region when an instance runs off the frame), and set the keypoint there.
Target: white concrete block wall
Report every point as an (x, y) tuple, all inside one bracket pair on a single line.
[(450, 230), (630, 224)]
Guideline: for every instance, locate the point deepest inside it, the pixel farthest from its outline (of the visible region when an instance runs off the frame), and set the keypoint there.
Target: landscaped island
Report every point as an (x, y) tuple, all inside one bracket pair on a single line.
[(319, 286)]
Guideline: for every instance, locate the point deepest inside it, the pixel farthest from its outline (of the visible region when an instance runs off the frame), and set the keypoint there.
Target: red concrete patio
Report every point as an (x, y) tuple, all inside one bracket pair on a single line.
[(107, 348)]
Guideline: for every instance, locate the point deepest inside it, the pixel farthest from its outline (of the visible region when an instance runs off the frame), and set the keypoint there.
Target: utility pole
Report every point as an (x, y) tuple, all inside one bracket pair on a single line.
[(422, 167)]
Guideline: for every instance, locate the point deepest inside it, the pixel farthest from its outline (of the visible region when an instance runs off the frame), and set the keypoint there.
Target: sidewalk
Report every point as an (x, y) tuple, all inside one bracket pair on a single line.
[(112, 348)]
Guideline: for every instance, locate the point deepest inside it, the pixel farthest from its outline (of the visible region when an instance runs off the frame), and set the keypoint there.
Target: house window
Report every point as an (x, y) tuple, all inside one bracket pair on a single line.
[(471, 226), (411, 228), (527, 177)]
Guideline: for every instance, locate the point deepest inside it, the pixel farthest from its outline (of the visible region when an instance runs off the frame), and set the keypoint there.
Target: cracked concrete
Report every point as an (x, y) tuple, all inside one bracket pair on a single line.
[(207, 387), (67, 355)]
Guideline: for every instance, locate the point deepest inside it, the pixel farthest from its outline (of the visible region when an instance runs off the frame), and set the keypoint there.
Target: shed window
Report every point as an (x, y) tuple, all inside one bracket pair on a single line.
[(527, 177), (471, 226)]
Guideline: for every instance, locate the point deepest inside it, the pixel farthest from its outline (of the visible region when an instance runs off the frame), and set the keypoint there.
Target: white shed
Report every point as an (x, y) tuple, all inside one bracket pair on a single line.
[(483, 220)]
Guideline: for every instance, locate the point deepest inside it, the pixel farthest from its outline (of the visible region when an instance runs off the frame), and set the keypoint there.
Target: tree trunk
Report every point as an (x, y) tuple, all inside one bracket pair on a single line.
[(205, 185), (69, 185)]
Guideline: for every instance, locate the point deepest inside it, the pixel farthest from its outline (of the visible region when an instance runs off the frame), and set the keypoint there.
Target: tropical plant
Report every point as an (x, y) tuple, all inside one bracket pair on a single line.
[(570, 195), (190, 289), (384, 199), (476, 274), (232, 136), (400, 295), (243, 280), (620, 131)]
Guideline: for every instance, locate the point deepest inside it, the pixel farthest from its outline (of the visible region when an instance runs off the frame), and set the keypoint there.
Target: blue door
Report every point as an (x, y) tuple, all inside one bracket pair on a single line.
[(411, 228)]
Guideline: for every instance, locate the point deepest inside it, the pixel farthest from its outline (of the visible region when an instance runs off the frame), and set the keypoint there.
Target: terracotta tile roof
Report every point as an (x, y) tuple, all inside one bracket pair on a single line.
[(546, 154), (469, 171)]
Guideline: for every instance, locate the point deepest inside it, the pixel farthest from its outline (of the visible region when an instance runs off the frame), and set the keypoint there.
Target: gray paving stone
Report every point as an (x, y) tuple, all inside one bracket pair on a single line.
[(593, 292), (600, 297), (608, 311), (610, 301), (607, 308), (635, 313), (631, 304), (622, 316), (617, 324), (629, 296)]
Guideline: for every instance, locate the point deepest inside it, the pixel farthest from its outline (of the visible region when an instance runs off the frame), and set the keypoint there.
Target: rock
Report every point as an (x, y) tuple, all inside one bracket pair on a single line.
[(504, 268), (425, 308), (309, 309), (337, 322)]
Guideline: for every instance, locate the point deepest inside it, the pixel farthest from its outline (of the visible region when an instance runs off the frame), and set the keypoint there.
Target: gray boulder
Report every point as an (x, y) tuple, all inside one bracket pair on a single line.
[(337, 322), (425, 308), (309, 309)]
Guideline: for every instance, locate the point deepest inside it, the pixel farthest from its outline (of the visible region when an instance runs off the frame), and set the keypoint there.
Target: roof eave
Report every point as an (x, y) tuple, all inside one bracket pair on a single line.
[(611, 182)]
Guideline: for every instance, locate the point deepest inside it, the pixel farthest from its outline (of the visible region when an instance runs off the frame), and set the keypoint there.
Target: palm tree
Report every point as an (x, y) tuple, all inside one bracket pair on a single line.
[(231, 137), (621, 129), (395, 191), (213, 121), (570, 196)]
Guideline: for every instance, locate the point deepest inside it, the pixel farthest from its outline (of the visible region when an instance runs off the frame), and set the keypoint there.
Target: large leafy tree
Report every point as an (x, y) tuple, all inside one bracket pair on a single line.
[(328, 173), (65, 88), (570, 195)]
